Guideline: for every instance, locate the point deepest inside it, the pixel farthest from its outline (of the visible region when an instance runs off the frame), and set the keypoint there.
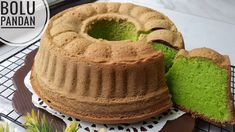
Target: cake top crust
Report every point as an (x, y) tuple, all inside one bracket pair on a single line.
[(221, 60), (68, 32)]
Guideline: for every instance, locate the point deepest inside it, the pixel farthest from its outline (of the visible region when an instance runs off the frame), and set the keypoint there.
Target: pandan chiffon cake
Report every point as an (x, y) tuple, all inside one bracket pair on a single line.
[(95, 62), (199, 82), (169, 53)]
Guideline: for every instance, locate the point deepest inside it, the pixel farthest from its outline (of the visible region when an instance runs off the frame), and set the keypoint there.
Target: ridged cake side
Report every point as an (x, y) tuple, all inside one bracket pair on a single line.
[(114, 112), (119, 80), (98, 80), (63, 82)]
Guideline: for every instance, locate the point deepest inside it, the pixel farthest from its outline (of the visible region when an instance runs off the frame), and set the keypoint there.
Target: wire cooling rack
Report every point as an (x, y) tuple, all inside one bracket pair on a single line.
[(10, 65), (7, 69)]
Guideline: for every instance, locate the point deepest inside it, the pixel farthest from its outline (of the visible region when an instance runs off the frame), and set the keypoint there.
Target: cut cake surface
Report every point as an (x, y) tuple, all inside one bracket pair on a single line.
[(199, 82)]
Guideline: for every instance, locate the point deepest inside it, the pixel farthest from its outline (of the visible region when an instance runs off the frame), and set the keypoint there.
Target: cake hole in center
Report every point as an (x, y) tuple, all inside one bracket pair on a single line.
[(113, 30)]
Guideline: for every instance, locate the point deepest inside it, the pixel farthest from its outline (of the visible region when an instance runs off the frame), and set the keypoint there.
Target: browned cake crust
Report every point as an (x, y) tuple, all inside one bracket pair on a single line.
[(104, 81), (223, 62), (104, 93), (110, 111)]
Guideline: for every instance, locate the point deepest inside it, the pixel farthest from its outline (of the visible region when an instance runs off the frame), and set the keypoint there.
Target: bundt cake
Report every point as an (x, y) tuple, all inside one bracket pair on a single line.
[(95, 62), (199, 82)]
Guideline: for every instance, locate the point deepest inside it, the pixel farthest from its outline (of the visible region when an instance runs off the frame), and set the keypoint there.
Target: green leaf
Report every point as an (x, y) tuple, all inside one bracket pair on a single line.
[(33, 125), (4, 127), (102, 130), (73, 127)]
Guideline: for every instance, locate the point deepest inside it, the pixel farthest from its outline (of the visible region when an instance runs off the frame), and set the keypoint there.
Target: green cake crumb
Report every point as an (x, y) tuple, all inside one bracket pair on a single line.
[(200, 85), (169, 54), (113, 30)]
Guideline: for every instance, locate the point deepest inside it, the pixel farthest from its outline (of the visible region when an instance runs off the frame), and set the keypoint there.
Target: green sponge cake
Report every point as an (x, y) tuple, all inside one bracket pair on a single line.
[(114, 30), (168, 45), (199, 82), (169, 54)]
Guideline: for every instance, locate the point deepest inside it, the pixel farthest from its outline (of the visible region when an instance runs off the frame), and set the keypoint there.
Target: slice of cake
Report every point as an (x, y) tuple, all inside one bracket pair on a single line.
[(199, 82)]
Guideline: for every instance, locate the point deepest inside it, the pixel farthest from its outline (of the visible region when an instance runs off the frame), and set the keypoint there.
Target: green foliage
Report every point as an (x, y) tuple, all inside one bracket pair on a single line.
[(102, 130), (4, 127), (73, 127), (33, 125)]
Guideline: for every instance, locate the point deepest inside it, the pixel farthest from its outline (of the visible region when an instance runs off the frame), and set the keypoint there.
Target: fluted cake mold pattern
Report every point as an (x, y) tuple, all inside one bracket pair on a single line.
[(99, 80)]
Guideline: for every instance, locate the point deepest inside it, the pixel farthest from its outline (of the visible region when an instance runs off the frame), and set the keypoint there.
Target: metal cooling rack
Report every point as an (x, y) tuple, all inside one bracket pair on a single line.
[(7, 69), (7, 89)]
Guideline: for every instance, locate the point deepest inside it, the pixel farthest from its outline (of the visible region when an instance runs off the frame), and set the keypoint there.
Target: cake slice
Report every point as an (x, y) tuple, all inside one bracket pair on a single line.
[(199, 82)]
